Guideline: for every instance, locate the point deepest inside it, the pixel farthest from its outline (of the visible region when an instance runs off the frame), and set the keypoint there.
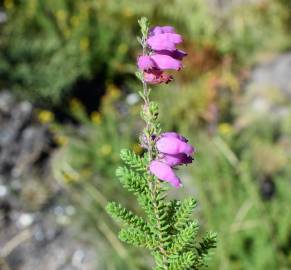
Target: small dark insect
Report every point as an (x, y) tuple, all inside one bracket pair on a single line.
[(267, 188)]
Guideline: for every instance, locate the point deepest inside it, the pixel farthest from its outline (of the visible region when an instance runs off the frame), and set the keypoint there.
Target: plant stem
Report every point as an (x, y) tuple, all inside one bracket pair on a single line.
[(149, 141), (154, 185)]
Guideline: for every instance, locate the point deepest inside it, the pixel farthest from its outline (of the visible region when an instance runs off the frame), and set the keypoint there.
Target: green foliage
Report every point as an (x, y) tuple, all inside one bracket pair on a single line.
[(254, 233), (47, 46), (92, 147), (184, 237), (137, 238), (183, 213), (131, 180), (127, 217), (50, 45), (208, 242), (85, 164), (168, 230), (183, 261), (241, 177), (229, 189), (133, 160)]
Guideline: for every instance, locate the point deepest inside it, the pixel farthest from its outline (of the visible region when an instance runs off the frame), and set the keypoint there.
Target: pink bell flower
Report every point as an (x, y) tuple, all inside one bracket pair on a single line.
[(165, 62), (165, 41), (162, 41), (161, 30), (158, 61), (145, 62), (173, 146), (175, 135), (173, 150), (164, 172)]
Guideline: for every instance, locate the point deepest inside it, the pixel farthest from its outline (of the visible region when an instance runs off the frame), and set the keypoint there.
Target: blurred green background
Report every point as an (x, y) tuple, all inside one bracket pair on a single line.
[(74, 62)]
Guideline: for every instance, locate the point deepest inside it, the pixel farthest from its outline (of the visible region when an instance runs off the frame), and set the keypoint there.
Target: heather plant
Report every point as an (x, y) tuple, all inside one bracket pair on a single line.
[(167, 228)]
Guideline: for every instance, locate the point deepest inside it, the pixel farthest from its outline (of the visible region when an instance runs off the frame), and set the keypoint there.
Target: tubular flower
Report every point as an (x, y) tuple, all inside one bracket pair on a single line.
[(161, 30), (158, 62), (164, 62), (164, 172), (174, 150), (174, 145), (145, 62), (162, 40), (174, 135)]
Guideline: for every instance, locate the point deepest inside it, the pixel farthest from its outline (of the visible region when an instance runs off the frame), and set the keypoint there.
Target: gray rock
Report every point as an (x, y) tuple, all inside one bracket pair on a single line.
[(22, 139), (227, 5), (3, 17), (33, 232), (6, 102), (275, 74), (45, 245), (267, 93)]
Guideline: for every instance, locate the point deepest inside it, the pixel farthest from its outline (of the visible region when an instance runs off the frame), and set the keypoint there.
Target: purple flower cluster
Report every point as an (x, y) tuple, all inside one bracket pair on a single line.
[(162, 40), (174, 150)]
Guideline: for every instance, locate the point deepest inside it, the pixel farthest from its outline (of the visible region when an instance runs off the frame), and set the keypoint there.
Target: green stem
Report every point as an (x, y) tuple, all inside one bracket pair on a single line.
[(154, 185), (155, 189)]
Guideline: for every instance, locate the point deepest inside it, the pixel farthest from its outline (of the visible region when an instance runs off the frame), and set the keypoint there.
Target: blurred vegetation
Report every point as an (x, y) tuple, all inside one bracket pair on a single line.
[(85, 165), (241, 176), (243, 184), (47, 47)]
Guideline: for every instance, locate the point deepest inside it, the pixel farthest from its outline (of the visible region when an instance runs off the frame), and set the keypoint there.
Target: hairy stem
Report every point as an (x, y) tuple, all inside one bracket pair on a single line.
[(148, 140), (154, 185)]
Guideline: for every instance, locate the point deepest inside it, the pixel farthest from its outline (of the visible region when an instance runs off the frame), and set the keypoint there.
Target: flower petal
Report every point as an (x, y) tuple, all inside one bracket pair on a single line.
[(165, 41), (161, 30), (175, 135), (145, 62), (164, 172), (173, 146), (165, 62)]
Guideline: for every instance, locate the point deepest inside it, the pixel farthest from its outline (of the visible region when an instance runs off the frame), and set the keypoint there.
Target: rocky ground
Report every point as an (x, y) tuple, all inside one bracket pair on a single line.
[(267, 92), (33, 218), (40, 241)]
